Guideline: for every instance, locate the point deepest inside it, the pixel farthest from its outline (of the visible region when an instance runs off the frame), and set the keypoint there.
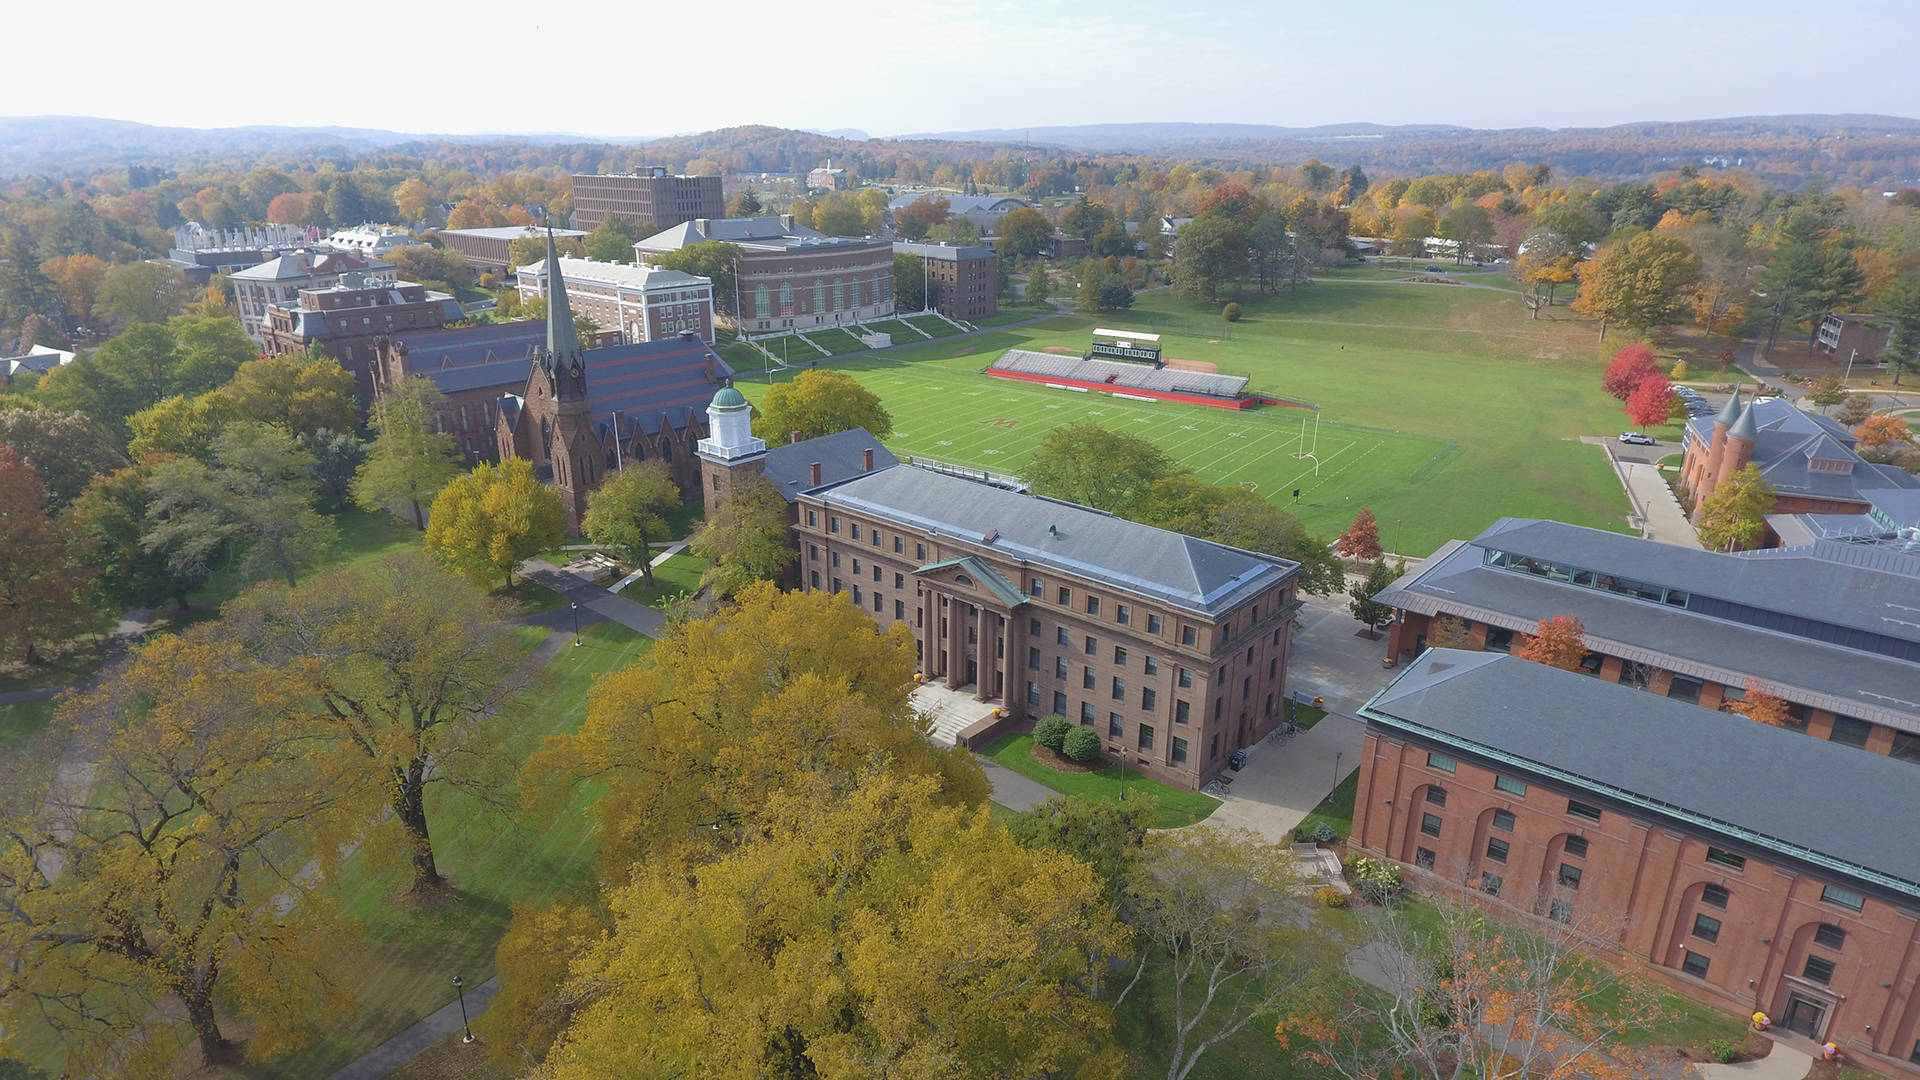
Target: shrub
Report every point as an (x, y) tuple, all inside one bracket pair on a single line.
[(1231, 312), (1378, 881), (1330, 897), (1679, 372), (1051, 731), (1323, 833), (1721, 1049), (1081, 744)]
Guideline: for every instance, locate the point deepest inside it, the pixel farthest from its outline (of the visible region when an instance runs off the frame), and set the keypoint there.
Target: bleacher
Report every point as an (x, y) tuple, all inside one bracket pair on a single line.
[(1118, 374)]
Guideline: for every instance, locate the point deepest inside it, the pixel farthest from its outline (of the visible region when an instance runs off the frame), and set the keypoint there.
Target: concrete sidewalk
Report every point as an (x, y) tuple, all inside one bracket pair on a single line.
[(592, 598), (1664, 520), (404, 1047)]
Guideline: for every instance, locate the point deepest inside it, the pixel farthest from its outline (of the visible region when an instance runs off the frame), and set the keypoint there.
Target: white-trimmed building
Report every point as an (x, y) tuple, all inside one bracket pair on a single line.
[(278, 282), (372, 241), (791, 277), (645, 303)]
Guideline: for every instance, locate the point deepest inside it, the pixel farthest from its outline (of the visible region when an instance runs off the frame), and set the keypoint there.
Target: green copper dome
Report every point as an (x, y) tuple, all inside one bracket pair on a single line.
[(729, 399)]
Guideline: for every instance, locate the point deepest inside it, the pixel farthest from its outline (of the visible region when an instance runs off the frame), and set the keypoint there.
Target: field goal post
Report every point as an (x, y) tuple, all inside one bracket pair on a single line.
[(1310, 451)]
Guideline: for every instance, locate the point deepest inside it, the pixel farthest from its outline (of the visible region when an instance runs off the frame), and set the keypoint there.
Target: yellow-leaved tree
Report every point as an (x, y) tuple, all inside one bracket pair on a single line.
[(862, 931), (820, 402), (487, 522)]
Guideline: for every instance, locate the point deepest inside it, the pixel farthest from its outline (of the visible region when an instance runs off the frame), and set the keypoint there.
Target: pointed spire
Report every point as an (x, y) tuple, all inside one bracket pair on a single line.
[(562, 339), (1744, 428), (1729, 412)]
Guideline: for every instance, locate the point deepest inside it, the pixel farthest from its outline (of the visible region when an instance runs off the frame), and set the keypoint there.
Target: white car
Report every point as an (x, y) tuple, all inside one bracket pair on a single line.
[(1636, 438)]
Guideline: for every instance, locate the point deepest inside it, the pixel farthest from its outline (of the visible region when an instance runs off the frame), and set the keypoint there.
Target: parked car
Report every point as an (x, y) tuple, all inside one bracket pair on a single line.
[(1636, 438), (1432, 270), (1699, 408)]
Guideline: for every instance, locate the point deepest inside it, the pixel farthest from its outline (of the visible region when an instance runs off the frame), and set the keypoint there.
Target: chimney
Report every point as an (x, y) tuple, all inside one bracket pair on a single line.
[(793, 438), (866, 460), (786, 222), (813, 471)]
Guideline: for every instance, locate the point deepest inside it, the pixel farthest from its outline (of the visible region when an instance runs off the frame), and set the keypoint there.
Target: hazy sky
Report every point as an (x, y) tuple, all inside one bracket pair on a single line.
[(648, 67)]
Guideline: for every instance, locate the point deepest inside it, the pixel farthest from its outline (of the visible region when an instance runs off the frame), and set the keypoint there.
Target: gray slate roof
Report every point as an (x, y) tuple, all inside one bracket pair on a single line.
[(790, 465), (509, 232), (753, 234), (944, 252), (1831, 581), (1815, 800), (1787, 440), (960, 204), (1193, 574)]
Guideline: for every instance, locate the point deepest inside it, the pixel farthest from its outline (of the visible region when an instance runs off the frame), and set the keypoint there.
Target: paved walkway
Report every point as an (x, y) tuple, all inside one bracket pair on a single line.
[(409, 1044), (593, 600), (1783, 1062), (1662, 517), (1013, 791), (672, 549)]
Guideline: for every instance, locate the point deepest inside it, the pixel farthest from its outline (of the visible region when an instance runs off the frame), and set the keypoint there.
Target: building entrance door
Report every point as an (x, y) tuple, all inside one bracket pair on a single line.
[(1804, 1015), (973, 671)]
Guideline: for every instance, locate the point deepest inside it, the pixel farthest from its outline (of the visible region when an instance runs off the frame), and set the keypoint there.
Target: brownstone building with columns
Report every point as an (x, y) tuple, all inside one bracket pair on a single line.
[(790, 277), (1736, 863)]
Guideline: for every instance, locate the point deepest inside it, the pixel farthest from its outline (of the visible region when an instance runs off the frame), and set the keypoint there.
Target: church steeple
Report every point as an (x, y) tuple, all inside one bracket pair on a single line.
[(563, 341)]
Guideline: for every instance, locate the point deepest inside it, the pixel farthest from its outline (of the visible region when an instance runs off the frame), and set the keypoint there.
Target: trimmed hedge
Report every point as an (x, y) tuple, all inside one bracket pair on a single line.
[(1051, 732), (1081, 744)]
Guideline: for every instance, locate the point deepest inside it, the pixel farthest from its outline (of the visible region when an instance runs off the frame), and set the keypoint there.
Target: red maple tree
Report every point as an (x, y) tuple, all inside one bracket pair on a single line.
[(1630, 367), (1760, 706), (44, 575), (1362, 538), (1651, 402), (1559, 641)]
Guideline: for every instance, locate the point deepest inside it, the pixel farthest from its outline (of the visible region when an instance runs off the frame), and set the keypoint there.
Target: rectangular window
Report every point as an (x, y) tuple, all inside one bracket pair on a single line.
[(1114, 725), (856, 566), (833, 525), (1509, 785), (1093, 645), (1560, 911), (836, 585), (1036, 587), (1490, 883), (1182, 712), (1569, 876), (857, 600), (813, 553), (1119, 656), (1694, 964), (878, 600), (1188, 635), (1153, 625), (1722, 857), (1151, 666), (1066, 596), (1033, 659), (1119, 688), (813, 518), (834, 556), (1430, 824), (876, 538), (1440, 761), (1833, 894), (814, 578), (1086, 678), (1685, 688), (920, 551), (1582, 810), (1437, 795), (1497, 850), (1186, 679), (899, 546), (1849, 731), (1093, 605), (1086, 712), (1423, 858), (856, 530), (899, 609), (1059, 703), (1061, 637), (1576, 846), (1146, 736), (1829, 936), (1059, 667), (1149, 699), (1715, 896), (876, 573), (1819, 969), (1179, 750), (1033, 627), (1033, 693), (1499, 640), (1706, 928), (1503, 820), (1122, 614), (899, 581)]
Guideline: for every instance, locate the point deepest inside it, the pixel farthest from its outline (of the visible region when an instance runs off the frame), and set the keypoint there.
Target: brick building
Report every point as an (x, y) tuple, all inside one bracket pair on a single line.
[(474, 367), (654, 198), (963, 282), (791, 277), (200, 252), (1738, 864), (347, 317), (583, 413), (640, 303), (278, 281), (1830, 627), (1809, 459), (1851, 337), (487, 249), (1174, 649), (828, 178)]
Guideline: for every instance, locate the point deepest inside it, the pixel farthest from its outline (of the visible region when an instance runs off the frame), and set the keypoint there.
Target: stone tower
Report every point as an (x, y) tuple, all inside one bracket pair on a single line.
[(1707, 474), (730, 452), (566, 432)]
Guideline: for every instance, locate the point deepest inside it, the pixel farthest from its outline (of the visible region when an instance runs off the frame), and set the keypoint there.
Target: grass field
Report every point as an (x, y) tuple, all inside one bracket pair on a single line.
[(1441, 408), (835, 340), (1176, 807)]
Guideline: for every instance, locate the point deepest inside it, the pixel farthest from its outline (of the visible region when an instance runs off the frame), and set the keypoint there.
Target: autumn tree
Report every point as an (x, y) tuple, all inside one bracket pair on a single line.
[(166, 898), (488, 521), (1364, 607), (909, 282), (78, 279), (65, 447), (299, 393), (1448, 632), (44, 575), (1759, 705), (1827, 392), (1361, 540), (409, 461), (442, 267), (921, 215), (407, 666), (1643, 283), (1883, 429), (820, 401), (1246, 520), (1108, 835), (807, 951), (1652, 402), (142, 292), (1735, 514), (1094, 466), (1629, 368), (1023, 233), (1218, 915), (1546, 262), (714, 259), (628, 513), (1902, 304), (745, 540), (1210, 255), (1472, 996), (253, 500), (1558, 641), (612, 240), (113, 513), (1039, 282)]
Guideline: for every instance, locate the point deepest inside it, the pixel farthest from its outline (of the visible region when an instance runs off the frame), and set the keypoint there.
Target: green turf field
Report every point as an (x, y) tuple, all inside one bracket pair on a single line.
[(1441, 408)]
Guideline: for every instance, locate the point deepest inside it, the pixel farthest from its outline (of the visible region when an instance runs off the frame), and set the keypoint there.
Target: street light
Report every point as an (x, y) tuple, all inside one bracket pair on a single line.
[(575, 605), (1336, 770), (460, 988)]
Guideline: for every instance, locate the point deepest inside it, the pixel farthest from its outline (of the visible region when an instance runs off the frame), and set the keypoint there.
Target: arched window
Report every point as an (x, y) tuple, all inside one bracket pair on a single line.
[(762, 301), (962, 579), (853, 294), (639, 449), (819, 295), (786, 298), (666, 449), (839, 295)]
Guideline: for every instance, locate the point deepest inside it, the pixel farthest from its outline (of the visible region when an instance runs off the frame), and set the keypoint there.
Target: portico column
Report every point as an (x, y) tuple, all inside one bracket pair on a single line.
[(956, 644), (983, 686), (924, 635)]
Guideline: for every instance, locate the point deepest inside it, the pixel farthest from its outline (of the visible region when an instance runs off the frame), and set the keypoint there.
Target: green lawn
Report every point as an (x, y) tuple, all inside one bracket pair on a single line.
[(1305, 716), (902, 333), (934, 325), (680, 573), (1176, 807), (23, 720), (494, 855), (1143, 1026), (836, 341), (1337, 808), (1442, 409)]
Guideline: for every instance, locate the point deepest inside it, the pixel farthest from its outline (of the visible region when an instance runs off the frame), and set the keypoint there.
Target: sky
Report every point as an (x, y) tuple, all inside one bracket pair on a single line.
[(656, 67)]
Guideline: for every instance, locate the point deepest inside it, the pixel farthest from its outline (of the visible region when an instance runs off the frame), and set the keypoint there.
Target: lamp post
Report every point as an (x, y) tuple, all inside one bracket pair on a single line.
[(575, 605), (459, 987), (1336, 770)]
